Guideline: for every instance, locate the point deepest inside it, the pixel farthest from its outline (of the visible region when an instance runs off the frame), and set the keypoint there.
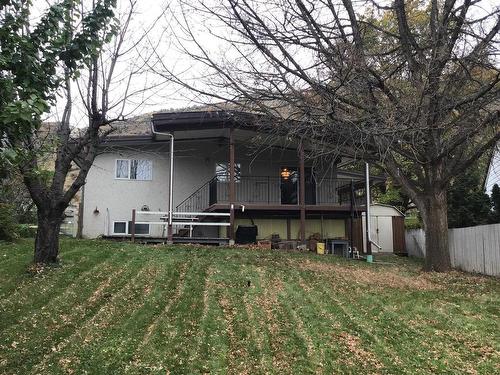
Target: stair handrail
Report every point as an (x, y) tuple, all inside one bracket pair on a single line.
[(196, 192)]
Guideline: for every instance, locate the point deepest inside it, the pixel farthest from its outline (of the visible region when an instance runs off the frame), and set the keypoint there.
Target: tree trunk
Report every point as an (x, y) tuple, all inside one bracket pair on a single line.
[(435, 218), (47, 237)]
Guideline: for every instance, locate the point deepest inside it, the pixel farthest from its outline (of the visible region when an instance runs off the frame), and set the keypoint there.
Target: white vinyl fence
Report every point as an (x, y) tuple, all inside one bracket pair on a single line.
[(473, 249)]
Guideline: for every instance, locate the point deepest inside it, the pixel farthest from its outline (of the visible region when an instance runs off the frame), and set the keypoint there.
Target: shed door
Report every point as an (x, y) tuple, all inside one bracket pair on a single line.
[(398, 234), (382, 226)]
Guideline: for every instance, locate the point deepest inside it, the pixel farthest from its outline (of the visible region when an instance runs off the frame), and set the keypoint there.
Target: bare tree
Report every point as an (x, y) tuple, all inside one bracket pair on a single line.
[(411, 86), (113, 84)]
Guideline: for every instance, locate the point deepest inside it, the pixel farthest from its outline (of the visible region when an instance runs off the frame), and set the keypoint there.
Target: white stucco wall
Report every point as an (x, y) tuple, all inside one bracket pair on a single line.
[(194, 165), (115, 198)]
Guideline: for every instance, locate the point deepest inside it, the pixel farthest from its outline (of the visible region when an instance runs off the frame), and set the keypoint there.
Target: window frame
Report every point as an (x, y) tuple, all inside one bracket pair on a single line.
[(121, 222), (140, 234), (129, 169), (116, 169), (127, 228), (227, 177)]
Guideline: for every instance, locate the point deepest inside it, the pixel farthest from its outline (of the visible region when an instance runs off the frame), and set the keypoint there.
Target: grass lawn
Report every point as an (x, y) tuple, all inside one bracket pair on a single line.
[(114, 308)]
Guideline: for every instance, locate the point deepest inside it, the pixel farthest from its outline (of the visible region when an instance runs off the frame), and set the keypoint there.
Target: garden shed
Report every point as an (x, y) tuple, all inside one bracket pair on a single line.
[(387, 229)]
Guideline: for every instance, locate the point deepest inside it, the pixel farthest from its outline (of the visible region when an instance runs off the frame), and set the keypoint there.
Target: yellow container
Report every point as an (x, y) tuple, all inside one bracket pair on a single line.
[(320, 248)]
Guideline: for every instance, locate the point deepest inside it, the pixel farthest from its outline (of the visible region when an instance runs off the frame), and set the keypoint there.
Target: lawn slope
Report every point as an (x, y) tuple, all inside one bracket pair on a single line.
[(115, 308)]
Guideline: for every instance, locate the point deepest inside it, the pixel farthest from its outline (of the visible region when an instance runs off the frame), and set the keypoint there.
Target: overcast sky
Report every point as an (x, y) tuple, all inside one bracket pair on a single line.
[(167, 96)]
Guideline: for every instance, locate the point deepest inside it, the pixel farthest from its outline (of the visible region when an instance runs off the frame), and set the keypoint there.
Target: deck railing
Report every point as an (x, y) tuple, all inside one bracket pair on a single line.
[(266, 190), (199, 201)]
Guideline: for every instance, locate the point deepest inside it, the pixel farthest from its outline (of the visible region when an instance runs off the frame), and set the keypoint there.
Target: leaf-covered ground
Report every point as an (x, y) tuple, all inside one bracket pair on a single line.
[(120, 308)]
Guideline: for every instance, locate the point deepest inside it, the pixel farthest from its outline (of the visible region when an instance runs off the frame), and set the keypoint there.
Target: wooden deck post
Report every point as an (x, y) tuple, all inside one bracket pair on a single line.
[(170, 234), (79, 228), (302, 193), (351, 219), (288, 229), (132, 230), (231, 185), (367, 213)]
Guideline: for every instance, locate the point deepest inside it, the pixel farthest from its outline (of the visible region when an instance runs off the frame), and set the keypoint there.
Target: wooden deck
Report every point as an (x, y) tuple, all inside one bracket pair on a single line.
[(175, 239), (284, 208)]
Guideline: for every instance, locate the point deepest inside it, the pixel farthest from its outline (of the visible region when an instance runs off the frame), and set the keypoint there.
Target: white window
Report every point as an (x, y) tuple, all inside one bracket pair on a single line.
[(139, 228), (134, 169), (222, 172), (125, 227), (120, 227)]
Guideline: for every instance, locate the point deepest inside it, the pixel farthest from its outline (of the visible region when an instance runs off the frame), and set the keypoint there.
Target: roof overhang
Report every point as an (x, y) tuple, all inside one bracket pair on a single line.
[(183, 121)]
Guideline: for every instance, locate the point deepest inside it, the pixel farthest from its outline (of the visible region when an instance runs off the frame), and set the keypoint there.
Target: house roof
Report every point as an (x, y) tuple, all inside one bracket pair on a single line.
[(138, 128), (388, 206), (208, 119), (135, 126)]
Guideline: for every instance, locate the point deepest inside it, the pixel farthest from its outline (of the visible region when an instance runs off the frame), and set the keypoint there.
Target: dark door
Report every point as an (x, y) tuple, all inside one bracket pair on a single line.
[(289, 183), (289, 177), (398, 235), (310, 186), (212, 191)]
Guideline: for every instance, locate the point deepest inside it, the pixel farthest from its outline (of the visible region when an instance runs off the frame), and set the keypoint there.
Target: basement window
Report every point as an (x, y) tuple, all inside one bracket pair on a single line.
[(120, 227), (125, 227), (139, 228), (134, 169)]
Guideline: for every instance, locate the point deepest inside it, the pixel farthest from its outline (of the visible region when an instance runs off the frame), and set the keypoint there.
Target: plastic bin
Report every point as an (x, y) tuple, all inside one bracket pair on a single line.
[(320, 248)]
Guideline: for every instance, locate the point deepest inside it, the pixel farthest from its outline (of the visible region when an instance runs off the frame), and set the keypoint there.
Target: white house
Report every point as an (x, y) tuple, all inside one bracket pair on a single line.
[(267, 189), (493, 175)]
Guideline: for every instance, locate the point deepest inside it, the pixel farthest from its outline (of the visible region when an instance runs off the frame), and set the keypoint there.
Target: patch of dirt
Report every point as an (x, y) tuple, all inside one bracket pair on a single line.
[(67, 365), (208, 286), (382, 277), (355, 347), (170, 303), (303, 285), (459, 278), (268, 301), (236, 351), (99, 292)]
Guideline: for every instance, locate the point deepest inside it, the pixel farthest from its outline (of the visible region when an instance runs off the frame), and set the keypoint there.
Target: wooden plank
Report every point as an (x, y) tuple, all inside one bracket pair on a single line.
[(232, 192), (302, 193), (201, 224), (226, 214), (357, 231), (132, 230), (398, 235), (451, 246), (476, 249)]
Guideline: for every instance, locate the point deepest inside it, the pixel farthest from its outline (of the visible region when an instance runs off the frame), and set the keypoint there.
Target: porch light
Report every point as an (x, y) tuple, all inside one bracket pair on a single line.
[(285, 173)]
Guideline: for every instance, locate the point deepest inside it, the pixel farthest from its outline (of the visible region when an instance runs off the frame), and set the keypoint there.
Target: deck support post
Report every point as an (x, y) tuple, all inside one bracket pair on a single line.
[(170, 234), (302, 193), (231, 186), (369, 255), (288, 229), (132, 230), (351, 220)]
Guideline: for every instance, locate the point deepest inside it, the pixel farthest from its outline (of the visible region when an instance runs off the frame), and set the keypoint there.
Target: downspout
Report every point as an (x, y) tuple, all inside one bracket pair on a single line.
[(171, 183), (369, 256)]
